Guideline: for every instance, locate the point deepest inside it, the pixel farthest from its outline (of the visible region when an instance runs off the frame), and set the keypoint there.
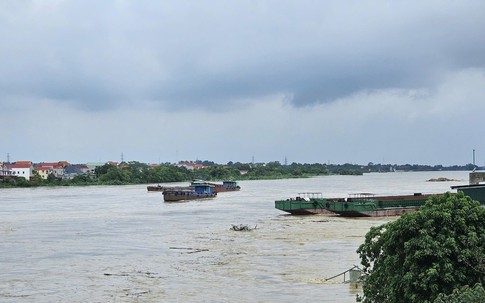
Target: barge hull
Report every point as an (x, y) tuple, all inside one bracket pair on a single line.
[(377, 213)]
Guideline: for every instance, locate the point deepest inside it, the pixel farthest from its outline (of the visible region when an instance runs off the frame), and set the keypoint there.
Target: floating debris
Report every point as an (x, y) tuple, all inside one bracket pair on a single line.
[(242, 227), (191, 250), (138, 273), (442, 179)]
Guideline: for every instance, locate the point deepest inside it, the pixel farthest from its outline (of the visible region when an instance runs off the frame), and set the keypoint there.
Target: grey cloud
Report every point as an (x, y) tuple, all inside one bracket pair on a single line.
[(100, 55)]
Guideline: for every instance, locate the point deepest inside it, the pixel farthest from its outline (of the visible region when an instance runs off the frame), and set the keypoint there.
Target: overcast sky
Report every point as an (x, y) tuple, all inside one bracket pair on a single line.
[(313, 81)]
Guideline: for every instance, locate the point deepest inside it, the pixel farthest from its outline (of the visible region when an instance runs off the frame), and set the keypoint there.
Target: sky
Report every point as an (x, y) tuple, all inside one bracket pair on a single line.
[(394, 82)]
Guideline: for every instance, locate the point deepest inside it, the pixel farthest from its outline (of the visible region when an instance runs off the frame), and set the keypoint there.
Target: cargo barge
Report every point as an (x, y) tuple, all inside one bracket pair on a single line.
[(218, 187), (197, 191), (357, 205), (306, 204), (369, 205)]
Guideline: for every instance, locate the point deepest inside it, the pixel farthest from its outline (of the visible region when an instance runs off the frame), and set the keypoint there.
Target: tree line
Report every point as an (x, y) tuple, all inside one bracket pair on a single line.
[(140, 173)]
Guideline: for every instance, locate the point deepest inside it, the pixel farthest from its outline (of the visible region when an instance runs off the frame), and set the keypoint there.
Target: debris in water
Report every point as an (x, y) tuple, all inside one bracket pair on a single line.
[(190, 249), (242, 227)]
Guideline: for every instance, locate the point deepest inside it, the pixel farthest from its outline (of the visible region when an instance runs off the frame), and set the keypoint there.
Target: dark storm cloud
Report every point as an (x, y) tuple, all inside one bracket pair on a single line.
[(207, 54)]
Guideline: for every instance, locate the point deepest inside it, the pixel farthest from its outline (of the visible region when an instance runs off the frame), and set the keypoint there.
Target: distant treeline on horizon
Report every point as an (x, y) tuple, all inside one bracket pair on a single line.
[(134, 172)]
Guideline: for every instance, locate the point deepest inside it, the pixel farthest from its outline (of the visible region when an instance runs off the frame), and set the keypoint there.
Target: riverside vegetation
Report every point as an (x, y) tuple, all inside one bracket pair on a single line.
[(436, 254), (141, 173)]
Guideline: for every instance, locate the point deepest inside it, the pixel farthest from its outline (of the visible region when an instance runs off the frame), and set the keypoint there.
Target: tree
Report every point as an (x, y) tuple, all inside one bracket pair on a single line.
[(464, 294), (427, 253)]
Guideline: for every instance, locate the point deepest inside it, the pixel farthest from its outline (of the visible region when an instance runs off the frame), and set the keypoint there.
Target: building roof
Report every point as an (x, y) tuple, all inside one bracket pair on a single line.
[(17, 165), (24, 162), (55, 165), (43, 168)]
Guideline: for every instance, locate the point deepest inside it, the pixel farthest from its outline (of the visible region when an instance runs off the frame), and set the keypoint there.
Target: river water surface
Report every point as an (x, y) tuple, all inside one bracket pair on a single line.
[(124, 244)]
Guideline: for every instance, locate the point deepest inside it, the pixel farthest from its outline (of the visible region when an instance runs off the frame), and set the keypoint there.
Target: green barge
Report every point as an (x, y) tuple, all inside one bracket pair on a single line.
[(306, 204), (369, 205), (357, 205)]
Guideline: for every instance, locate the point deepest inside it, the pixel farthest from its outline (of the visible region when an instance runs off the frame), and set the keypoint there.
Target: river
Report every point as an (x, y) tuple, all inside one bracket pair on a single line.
[(124, 244)]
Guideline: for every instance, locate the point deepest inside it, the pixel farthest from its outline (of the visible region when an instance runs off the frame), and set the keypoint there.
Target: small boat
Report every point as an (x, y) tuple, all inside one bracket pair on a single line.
[(199, 190)]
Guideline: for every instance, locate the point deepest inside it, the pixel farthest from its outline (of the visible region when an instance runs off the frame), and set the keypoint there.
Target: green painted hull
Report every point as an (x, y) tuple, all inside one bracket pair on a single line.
[(367, 205), (378, 206), (353, 207), (302, 207)]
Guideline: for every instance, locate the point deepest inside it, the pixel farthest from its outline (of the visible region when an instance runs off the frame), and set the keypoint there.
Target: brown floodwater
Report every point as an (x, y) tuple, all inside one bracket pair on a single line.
[(124, 244)]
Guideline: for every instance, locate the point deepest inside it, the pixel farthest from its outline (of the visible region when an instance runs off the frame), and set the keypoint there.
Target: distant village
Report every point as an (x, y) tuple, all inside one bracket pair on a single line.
[(63, 169), (133, 172)]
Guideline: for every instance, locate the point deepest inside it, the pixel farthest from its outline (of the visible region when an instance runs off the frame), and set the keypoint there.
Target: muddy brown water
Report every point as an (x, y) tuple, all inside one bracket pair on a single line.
[(124, 244)]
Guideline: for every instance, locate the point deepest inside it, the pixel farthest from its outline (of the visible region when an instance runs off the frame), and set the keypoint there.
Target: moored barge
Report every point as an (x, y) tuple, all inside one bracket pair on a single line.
[(308, 203), (368, 205), (357, 205)]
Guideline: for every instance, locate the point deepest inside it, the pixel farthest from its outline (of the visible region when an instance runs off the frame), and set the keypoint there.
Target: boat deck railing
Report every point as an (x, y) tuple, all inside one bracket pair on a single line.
[(362, 196)]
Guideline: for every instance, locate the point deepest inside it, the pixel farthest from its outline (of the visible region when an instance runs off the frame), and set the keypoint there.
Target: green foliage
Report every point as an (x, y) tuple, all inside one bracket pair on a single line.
[(102, 170), (465, 294), (426, 253), (116, 175), (167, 173)]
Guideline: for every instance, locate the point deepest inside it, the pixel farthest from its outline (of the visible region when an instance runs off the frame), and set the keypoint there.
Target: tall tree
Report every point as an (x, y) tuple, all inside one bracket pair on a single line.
[(437, 249)]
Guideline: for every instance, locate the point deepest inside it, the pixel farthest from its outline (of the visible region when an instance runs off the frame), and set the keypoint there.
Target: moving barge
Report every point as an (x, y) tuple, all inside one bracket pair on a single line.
[(197, 191)]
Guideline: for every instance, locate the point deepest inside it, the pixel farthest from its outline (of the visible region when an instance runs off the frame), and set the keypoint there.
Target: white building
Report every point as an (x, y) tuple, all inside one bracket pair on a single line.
[(23, 169)]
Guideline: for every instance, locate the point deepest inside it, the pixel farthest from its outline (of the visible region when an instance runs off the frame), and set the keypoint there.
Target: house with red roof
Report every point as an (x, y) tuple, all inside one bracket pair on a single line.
[(21, 169), (57, 168), (43, 171)]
